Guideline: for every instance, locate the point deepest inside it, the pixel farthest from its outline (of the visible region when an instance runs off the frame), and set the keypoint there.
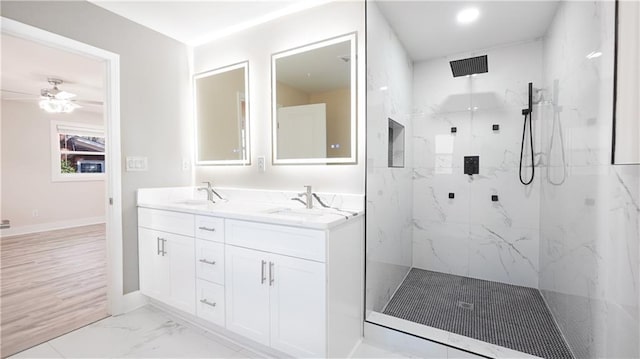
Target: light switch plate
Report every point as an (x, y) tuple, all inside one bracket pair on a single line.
[(136, 164), (262, 166)]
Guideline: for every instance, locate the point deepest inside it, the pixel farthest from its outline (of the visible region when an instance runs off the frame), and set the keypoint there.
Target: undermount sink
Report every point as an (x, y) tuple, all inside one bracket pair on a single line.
[(194, 202), (298, 212)]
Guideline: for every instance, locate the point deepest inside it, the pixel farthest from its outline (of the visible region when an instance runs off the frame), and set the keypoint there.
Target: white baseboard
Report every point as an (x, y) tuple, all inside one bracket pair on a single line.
[(51, 226), (132, 301)]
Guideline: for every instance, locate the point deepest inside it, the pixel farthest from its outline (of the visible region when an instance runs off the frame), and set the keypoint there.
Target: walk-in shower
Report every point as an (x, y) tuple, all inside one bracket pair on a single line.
[(473, 237)]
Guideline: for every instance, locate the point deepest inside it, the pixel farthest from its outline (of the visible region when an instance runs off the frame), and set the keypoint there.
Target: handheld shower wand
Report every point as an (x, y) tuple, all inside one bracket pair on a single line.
[(526, 112)]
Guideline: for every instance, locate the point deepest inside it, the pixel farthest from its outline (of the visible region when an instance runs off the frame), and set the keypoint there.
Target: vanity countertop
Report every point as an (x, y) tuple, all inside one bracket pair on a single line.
[(268, 209)]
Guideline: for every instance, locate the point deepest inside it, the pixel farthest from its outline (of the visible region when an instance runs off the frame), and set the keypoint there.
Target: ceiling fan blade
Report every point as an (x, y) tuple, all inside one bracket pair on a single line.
[(20, 93), (64, 95), (88, 102)]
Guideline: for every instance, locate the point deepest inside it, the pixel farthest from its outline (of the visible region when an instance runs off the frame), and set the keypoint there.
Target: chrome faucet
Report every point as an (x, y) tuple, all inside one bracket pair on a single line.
[(210, 192), (308, 194)]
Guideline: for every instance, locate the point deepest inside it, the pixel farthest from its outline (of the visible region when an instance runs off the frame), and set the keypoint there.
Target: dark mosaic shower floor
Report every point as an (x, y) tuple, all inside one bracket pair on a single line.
[(502, 314)]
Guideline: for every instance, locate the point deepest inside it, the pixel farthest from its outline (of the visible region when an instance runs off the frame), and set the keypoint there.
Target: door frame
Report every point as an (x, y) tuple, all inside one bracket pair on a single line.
[(117, 302)]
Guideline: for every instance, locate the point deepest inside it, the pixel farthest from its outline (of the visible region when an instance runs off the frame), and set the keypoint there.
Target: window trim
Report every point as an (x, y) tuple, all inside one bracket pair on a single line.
[(72, 128)]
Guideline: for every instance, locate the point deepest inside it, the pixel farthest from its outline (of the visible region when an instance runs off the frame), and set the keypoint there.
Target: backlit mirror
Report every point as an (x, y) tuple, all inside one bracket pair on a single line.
[(222, 116), (313, 105)]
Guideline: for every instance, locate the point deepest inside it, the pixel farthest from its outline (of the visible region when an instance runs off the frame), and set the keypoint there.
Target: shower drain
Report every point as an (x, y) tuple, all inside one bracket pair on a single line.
[(465, 305)]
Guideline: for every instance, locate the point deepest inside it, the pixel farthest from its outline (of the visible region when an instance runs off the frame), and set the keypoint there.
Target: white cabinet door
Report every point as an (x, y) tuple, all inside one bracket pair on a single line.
[(298, 306), (247, 293), (182, 272), (154, 269)]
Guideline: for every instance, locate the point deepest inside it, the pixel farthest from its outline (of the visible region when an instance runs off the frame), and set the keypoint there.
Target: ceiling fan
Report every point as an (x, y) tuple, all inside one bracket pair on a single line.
[(53, 99), (56, 101)]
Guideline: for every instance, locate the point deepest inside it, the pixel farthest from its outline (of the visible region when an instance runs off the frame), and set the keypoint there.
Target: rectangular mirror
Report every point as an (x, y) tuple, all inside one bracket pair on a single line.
[(314, 103), (626, 147), (222, 116)]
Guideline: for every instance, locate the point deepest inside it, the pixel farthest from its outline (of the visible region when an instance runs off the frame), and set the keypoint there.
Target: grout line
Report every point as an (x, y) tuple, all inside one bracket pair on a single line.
[(55, 350)]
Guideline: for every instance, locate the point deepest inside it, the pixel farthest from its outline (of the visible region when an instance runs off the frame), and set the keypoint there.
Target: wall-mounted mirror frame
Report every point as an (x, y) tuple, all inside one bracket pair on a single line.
[(626, 114), (352, 60), (235, 103)]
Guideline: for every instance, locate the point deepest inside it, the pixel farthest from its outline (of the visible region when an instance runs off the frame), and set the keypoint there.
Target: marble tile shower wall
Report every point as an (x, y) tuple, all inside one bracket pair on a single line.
[(389, 194), (589, 245), (470, 235)]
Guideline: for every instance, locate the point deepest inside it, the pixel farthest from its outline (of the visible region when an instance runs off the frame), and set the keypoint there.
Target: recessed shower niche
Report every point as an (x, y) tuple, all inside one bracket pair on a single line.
[(396, 144)]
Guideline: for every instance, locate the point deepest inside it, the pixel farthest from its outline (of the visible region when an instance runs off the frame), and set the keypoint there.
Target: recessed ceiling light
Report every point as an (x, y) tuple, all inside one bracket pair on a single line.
[(468, 15)]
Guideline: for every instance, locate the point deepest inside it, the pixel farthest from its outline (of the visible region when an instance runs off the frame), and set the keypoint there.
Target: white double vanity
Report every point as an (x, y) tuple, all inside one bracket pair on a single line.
[(257, 266)]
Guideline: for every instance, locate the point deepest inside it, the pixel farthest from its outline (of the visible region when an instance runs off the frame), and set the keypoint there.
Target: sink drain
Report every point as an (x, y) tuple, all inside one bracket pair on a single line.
[(465, 305)]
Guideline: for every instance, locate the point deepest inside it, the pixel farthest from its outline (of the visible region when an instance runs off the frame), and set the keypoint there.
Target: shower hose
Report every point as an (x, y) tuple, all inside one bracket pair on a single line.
[(527, 114)]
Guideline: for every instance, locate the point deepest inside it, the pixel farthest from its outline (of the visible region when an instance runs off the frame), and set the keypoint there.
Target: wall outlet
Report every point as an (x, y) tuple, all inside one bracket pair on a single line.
[(186, 164), (35, 213), (262, 166)]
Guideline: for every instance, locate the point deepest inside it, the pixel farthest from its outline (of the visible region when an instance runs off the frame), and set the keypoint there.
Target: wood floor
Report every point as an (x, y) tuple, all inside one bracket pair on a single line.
[(50, 283)]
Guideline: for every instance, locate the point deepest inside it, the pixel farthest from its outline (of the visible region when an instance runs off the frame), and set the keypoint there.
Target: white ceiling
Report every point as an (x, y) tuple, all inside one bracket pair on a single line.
[(429, 29), (196, 22), (26, 65)]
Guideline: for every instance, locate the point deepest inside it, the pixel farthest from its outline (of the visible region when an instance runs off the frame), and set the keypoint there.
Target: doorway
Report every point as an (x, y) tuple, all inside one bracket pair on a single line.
[(63, 246)]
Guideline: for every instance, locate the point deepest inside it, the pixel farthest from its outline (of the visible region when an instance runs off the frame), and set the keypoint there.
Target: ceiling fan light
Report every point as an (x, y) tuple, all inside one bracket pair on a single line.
[(53, 105)]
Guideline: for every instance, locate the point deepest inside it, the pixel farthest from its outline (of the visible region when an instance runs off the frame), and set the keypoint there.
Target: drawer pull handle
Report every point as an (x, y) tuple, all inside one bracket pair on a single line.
[(204, 301), (207, 229), (206, 261)]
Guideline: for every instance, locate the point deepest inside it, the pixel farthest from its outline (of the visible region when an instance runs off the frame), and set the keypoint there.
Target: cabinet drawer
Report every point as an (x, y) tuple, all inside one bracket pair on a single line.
[(291, 241), (210, 261), (210, 228), (166, 221), (210, 302)]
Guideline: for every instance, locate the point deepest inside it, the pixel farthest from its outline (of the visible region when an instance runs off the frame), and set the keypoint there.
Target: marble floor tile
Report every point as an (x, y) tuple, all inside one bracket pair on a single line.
[(149, 332), (143, 333), (369, 350), (44, 350)]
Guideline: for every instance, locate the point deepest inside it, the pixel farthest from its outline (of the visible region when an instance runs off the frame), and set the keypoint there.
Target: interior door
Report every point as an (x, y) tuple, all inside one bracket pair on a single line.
[(247, 293), (298, 306), (302, 131)]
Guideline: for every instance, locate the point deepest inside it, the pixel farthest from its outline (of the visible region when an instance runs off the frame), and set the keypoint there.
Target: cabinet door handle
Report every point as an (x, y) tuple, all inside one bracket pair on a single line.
[(263, 276), (164, 243), (158, 245), (205, 301), (206, 261), (272, 277), (207, 229)]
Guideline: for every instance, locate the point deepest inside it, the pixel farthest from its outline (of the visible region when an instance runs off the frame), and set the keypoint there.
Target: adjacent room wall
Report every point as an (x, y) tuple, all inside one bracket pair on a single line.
[(257, 45), (154, 98), (471, 235), (590, 210), (29, 198), (389, 190)]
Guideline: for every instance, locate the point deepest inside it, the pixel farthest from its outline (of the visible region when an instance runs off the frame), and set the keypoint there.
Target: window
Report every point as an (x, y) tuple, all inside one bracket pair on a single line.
[(77, 152)]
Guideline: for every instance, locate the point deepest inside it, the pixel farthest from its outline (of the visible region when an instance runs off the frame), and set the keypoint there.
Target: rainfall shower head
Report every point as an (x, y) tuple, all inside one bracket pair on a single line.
[(470, 66)]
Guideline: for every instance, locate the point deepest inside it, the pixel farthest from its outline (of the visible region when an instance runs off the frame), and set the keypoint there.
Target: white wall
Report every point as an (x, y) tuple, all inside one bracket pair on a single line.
[(26, 172), (256, 45), (389, 191), (590, 210), (154, 97), (470, 235)]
